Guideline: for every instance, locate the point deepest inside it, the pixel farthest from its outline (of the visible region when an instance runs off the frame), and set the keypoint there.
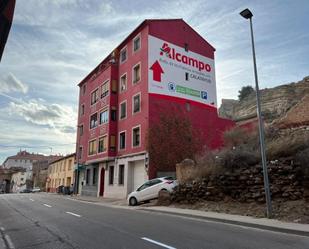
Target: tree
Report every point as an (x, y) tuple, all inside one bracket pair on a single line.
[(171, 140), (245, 91)]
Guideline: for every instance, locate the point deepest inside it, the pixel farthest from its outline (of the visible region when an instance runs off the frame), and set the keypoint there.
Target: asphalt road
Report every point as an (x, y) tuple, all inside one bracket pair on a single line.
[(44, 221)]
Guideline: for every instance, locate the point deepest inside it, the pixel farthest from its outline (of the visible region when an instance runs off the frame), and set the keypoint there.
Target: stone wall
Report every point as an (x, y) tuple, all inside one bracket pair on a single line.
[(287, 182)]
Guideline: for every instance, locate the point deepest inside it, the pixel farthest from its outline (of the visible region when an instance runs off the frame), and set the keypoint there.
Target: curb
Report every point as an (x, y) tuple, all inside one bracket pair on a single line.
[(233, 222)]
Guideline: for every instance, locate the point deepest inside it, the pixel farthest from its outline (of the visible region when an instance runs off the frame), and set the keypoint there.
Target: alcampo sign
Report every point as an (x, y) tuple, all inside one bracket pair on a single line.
[(171, 53), (179, 73)]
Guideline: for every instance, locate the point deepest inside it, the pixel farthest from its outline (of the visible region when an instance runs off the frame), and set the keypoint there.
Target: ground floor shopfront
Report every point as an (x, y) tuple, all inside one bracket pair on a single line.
[(113, 178)]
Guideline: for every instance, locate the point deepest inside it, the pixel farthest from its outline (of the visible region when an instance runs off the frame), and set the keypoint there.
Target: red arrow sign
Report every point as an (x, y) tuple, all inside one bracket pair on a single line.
[(157, 71)]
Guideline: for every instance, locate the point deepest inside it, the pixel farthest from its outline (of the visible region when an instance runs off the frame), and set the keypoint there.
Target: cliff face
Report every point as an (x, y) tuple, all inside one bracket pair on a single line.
[(275, 102)]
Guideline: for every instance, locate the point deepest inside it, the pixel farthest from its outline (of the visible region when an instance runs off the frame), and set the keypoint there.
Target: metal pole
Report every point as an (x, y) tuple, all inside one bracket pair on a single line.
[(261, 131)]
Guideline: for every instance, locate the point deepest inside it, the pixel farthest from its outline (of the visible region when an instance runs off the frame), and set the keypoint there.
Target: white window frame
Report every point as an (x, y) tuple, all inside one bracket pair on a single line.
[(123, 49), (96, 151), (106, 136), (140, 102), (91, 128), (140, 73), (125, 132), (140, 43), (125, 101), (140, 136), (108, 83), (91, 104), (82, 114), (108, 116), (125, 74)]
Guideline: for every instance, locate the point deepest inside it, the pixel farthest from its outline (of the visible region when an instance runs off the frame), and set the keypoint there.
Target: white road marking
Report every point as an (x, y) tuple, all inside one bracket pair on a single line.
[(158, 243), (31, 199), (9, 241), (77, 215), (46, 205)]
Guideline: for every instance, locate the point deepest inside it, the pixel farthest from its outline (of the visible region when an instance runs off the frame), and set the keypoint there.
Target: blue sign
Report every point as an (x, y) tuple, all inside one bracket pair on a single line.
[(172, 87), (203, 95)]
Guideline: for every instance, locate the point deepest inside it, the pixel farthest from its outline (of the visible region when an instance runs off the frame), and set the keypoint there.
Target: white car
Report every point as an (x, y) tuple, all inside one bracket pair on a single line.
[(35, 190), (150, 190)]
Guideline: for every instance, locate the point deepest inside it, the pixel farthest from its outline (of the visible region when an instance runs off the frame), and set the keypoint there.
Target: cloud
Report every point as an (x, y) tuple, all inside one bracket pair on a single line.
[(39, 112), (10, 84)]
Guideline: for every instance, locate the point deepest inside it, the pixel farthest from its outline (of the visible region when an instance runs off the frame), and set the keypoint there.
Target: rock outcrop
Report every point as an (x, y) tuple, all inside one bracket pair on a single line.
[(275, 102)]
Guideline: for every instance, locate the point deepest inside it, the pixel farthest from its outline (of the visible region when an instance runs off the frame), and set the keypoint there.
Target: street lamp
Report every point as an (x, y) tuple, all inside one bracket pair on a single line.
[(247, 14), (76, 187)]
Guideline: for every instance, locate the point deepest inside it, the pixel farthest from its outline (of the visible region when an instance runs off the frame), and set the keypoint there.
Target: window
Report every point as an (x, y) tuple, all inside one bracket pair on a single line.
[(113, 114), (84, 89), (102, 144), (122, 140), (123, 110), (21, 179), (81, 130), (111, 175), (112, 143), (82, 110), (123, 83), (123, 55), (136, 73), (92, 147), (104, 117), (87, 176), (104, 89), (136, 103), (186, 47), (70, 165), (121, 175), (136, 136), (94, 176), (136, 43), (94, 120), (94, 96), (80, 152)]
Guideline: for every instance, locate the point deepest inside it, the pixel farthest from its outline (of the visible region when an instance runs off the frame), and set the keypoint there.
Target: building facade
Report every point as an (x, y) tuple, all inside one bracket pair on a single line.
[(60, 173), (40, 171), (162, 65)]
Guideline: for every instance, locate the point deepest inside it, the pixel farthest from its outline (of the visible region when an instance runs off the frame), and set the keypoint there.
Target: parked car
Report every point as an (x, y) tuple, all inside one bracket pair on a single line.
[(25, 191), (36, 189), (150, 190)]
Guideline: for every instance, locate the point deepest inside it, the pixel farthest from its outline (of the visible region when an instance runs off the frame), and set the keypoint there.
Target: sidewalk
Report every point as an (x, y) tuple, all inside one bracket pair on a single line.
[(261, 223), (247, 221)]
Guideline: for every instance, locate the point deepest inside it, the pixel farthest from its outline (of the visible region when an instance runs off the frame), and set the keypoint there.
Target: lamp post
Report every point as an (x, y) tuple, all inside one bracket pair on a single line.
[(247, 14)]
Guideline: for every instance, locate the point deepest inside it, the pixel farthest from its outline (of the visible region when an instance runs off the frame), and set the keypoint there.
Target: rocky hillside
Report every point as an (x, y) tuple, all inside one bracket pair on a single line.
[(276, 102)]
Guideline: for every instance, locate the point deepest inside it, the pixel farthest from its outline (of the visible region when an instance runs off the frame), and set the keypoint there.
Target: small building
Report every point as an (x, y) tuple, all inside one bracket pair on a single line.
[(40, 171), (60, 173), (19, 180)]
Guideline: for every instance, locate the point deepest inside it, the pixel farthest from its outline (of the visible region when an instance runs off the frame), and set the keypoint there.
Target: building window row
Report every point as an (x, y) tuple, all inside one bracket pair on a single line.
[(136, 45), (136, 106), (104, 92), (136, 77), (111, 174), (136, 138), (102, 145)]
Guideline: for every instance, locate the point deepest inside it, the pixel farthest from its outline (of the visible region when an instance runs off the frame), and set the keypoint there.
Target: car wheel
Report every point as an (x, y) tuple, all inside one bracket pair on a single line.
[(133, 201)]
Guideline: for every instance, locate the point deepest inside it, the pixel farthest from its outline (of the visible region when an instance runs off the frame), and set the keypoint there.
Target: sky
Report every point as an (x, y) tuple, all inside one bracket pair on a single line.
[(54, 44)]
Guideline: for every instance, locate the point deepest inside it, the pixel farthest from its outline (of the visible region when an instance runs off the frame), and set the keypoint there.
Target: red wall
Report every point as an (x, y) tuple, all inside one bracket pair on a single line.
[(203, 118), (140, 118)]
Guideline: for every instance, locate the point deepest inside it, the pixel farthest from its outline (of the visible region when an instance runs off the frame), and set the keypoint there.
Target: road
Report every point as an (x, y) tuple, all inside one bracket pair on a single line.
[(46, 221)]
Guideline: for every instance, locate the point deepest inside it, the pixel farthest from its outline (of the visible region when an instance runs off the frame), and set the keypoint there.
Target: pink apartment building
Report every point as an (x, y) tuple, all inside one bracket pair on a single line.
[(162, 64)]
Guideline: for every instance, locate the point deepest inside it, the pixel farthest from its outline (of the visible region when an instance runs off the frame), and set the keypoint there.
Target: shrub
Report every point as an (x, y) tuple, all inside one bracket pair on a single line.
[(237, 158), (286, 145)]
